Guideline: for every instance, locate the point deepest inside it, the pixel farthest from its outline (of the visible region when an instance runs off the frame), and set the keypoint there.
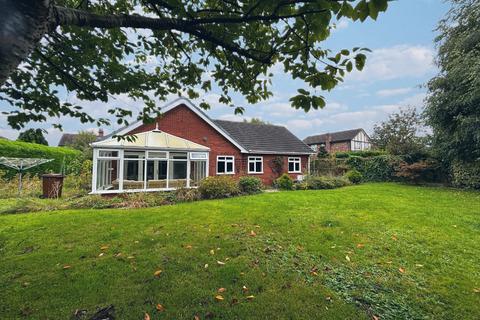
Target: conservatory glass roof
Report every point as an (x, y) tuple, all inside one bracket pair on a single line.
[(154, 139)]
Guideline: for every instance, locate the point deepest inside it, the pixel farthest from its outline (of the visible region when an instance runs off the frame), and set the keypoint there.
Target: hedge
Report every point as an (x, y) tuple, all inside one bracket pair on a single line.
[(363, 154), (379, 168), (63, 158)]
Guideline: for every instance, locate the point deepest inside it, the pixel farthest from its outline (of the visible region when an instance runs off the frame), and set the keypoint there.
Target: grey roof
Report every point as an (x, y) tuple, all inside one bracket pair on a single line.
[(264, 138), (66, 139), (338, 136)]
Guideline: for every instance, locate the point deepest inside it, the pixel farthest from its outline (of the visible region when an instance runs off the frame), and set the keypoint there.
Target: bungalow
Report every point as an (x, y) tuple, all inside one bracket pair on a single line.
[(183, 146), (341, 141)]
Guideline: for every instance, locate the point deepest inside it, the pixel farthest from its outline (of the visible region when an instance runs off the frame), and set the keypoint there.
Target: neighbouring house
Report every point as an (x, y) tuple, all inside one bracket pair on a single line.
[(341, 141), (183, 146), (67, 139)]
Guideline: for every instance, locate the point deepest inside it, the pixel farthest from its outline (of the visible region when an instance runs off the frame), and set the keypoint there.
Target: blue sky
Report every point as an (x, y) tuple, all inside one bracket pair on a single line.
[(401, 61)]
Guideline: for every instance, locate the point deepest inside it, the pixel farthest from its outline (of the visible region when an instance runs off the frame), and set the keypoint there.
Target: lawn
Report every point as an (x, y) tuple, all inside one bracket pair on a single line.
[(375, 250)]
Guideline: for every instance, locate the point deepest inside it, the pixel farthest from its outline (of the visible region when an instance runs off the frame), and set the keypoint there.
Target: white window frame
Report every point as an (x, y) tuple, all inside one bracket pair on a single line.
[(255, 159), (232, 160), (295, 160)]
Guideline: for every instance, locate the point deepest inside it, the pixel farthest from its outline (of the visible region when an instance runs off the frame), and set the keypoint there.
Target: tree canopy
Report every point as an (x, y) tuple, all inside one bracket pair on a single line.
[(149, 49), (399, 134), (452, 108), (33, 136)]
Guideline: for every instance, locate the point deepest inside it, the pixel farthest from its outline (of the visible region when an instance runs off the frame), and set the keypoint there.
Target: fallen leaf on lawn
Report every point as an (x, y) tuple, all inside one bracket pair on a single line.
[(402, 270), (329, 299), (419, 265), (221, 263), (360, 245), (188, 247), (146, 317), (118, 254), (314, 271), (219, 298), (195, 317), (221, 290), (244, 289), (253, 234), (250, 297), (374, 317), (67, 266), (101, 254), (476, 290), (347, 258), (206, 265), (103, 247), (389, 262), (212, 252), (159, 307), (394, 237), (157, 273)]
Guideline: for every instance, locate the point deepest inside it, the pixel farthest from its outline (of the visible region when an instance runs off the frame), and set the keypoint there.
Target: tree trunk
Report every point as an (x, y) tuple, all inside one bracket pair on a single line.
[(23, 23)]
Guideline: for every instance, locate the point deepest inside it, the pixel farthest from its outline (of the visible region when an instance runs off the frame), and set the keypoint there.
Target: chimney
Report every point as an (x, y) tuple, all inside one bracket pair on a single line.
[(100, 132), (328, 142)]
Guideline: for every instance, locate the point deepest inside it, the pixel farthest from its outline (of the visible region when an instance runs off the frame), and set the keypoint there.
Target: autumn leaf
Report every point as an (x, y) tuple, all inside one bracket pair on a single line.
[(401, 270), (195, 317), (219, 297), (146, 317), (347, 258), (419, 265), (252, 234), (250, 298), (159, 307), (157, 273), (360, 245), (206, 266), (212, 252), (104, 247), (221, 290), (394, 237), (67, 266), (476, 290), (220, 263), (101, 254), (244, 289), (188, 247), (374, 317)]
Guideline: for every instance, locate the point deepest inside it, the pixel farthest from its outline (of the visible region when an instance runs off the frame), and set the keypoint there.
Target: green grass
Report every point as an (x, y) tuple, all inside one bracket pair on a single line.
[(296, 266)]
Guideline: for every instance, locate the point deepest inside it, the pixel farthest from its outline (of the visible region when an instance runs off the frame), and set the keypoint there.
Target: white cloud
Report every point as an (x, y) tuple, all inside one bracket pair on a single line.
[(341, 24), (393, 92), (396, 62)]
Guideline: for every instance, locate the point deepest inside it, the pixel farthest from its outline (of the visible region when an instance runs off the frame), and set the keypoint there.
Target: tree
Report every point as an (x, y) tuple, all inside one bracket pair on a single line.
[(256, 121), (33, 136), (82, 141), (399, 135), (452, 108), (95, 50)]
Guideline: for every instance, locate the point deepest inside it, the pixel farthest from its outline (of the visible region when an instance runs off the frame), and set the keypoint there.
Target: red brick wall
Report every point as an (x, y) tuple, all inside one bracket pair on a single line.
[(269, 175), (183, 122), (340, 146)]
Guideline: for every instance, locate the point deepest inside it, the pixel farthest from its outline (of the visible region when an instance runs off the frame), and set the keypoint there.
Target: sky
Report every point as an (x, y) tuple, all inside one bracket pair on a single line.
[(400, 64)]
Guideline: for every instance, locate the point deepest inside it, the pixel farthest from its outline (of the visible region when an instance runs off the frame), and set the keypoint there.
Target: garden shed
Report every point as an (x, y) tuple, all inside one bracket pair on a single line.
[(147, 161)]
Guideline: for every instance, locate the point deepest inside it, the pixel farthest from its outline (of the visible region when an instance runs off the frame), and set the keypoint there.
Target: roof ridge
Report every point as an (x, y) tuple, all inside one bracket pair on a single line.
[(254, 124)]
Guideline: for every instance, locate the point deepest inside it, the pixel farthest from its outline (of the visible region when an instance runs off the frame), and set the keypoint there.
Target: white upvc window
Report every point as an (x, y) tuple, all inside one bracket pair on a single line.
[(225, 164), (255, 164), (294, 165)]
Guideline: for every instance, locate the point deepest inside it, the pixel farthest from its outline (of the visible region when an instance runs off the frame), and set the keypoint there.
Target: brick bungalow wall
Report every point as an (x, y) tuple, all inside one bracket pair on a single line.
[(184, 123)]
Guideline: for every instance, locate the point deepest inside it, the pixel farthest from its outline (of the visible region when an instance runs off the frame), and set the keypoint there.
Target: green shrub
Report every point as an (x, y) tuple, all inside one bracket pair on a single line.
[(185, 195), (363, 154), (379, 168), (354, 176), (250, 185), (466, 175), (63, 158), (284, 182), (95, 202), (218, 187), (323, 182), (421, 171)]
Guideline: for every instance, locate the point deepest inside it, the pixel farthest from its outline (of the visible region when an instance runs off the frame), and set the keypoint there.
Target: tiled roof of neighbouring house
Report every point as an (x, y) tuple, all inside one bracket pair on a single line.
[(263, 138), (66, 139), (334, 136)]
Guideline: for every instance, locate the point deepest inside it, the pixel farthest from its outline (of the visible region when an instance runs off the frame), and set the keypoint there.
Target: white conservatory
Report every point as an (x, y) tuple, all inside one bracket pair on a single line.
[(151, 161)]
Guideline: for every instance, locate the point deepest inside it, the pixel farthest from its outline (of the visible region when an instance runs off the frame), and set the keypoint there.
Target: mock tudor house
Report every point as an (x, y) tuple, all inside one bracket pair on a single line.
[(184, 145), (341, 141)]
